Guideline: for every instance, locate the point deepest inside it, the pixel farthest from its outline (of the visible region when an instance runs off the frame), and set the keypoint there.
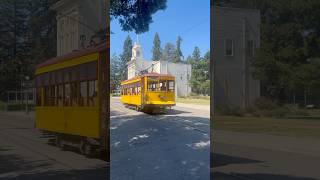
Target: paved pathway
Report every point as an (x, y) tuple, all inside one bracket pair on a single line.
[(173, 146), (25, 153)]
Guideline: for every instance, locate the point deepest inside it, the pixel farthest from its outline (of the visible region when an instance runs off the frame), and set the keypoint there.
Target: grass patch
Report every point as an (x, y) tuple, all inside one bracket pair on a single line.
[(295, 127), (193, 100)]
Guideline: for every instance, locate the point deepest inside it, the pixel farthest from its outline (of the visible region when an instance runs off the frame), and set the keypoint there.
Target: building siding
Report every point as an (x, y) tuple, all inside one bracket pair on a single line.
[(234, 83)]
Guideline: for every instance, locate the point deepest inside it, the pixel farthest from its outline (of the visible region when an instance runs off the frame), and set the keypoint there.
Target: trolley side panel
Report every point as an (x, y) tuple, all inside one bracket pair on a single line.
[(75, 121)]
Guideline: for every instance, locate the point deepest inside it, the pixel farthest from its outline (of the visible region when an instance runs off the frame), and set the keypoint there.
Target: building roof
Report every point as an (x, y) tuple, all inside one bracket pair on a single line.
[(77, 53)]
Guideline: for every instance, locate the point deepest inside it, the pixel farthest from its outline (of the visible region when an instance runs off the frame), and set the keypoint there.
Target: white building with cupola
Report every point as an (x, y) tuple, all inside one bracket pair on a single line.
[(181, 71)]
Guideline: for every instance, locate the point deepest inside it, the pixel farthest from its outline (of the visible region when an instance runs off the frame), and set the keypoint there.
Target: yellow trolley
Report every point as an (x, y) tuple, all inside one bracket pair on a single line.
[(72, 99), (149, 92)]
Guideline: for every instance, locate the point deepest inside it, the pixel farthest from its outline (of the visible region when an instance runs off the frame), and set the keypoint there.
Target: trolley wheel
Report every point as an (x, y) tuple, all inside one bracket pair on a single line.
[(58, 142), (85, 148)]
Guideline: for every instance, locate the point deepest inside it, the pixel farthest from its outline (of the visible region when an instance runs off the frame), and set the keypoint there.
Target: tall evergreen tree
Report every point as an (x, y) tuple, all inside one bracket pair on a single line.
[(196, 56), (125, 57), (14, 47), (156, 49), (178, 52), (200, 76), (168, 52), (189, 59), (43, 30), (115, 72)]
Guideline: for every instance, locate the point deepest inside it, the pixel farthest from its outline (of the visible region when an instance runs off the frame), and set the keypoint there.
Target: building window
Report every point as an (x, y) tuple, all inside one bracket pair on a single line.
[(229, 47)]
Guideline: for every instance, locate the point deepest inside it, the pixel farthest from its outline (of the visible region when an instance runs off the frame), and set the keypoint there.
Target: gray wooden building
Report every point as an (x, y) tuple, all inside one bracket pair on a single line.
[(235, 38)]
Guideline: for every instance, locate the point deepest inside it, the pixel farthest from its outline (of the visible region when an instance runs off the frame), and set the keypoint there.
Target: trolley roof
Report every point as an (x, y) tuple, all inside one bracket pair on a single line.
[(147, 75), (74, 54)]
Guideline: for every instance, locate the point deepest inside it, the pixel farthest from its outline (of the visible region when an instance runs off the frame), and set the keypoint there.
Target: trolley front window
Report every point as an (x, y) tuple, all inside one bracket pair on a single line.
[(153, 83), (152, 86), (162, 85), (171, 85)]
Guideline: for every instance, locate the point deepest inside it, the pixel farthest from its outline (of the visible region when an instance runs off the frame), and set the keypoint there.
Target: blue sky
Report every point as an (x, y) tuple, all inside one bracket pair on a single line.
[(188, 18)]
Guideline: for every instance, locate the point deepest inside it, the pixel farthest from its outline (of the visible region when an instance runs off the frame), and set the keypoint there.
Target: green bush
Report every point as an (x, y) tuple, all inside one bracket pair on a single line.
[(280, 112), (263, 107), (263, 103), (196, 96), (296, 111), (230, 111)]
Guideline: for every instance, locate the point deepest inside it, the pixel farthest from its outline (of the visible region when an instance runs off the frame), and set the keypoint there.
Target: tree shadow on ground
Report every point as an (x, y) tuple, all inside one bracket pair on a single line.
[(159, 147), (175, 112), (14, 167), (86, 174), (217, 160), (317, 118), (239, 176)]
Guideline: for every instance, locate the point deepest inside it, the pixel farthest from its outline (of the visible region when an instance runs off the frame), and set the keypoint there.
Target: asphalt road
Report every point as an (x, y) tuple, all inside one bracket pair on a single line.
[(263, 157), (26, 153), (172, 146)]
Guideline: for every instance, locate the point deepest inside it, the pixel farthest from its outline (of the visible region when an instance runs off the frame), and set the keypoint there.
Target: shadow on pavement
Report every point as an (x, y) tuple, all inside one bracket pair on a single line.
[(239, 176), (11, 163), (159, 147), (175, 112), (13, 167), (217, 160), (87, 174)]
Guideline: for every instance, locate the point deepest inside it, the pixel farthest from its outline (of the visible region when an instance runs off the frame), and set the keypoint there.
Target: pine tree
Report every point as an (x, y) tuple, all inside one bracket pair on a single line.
[(178, 53), (115, 75), (200, 75), (43, 30), (125, 57), (168, 52), (156, 49), (189, 60), (14, 47), (196, 54)]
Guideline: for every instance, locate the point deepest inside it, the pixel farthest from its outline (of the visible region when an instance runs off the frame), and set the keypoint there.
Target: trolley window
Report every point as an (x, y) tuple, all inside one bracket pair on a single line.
[(152, 86), (171, 85), (152, 83), (162, 85)]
